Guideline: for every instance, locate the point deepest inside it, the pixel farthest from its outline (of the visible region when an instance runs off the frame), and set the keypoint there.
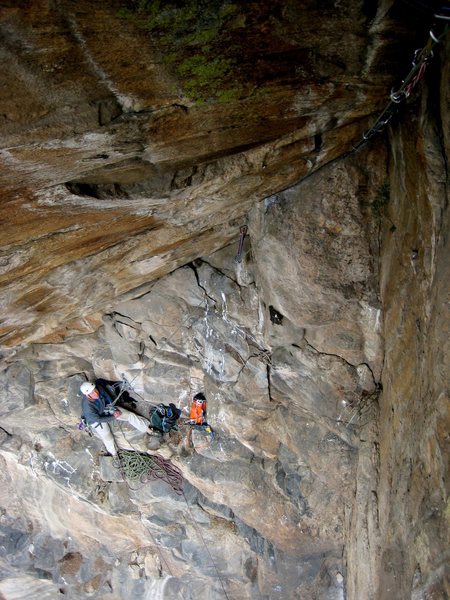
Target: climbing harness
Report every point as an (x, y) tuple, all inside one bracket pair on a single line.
[(422, 58)]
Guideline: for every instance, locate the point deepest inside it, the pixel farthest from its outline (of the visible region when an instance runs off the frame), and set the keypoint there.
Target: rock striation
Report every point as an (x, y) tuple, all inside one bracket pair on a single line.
[(136, 143), (271, 489)]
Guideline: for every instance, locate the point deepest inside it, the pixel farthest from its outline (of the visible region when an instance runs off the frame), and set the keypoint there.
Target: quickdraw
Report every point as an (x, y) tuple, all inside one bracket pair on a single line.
[(422, 58), (243, 231)]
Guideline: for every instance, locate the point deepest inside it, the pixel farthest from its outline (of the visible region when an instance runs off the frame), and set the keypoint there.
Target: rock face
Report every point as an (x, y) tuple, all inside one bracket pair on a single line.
[(130, 164), (134, 141), (400, 531), (415, 403), (264, 503)]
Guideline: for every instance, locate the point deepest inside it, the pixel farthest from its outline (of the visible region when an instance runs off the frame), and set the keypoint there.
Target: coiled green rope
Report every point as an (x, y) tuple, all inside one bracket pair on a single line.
[(137, 466)]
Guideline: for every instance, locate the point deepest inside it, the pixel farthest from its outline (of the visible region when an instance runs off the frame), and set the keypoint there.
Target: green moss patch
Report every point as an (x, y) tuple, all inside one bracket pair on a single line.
[(199, 42)]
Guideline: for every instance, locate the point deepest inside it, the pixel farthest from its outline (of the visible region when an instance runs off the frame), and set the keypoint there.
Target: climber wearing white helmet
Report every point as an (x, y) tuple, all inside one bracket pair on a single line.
[(98, 410)]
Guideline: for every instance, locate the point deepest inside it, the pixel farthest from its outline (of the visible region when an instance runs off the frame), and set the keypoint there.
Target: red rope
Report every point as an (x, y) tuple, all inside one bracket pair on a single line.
[(165, 471)]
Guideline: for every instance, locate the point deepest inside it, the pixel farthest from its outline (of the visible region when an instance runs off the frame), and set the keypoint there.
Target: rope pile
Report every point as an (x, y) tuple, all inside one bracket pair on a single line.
[(137, 466)]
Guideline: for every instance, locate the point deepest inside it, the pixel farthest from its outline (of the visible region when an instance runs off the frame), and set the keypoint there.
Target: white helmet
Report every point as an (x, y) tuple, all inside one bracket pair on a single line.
[(87, 388)]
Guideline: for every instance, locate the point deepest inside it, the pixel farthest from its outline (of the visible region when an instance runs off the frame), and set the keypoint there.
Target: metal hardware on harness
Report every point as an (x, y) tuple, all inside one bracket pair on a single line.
[(110, 409), (243, 231)]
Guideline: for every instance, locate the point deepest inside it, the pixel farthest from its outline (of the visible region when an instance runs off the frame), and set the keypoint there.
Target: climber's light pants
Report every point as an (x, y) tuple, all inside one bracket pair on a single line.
[(103, 430)]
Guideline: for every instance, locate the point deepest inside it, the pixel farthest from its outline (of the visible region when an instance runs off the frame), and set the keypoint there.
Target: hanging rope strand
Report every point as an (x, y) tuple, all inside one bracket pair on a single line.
[(206, 547), (134, 466)]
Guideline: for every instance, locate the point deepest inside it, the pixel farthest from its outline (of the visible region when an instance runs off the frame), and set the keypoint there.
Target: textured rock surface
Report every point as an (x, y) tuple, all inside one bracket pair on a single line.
[(415, 559), (400, 529), (130, 147), (127, 170), (267, 496)]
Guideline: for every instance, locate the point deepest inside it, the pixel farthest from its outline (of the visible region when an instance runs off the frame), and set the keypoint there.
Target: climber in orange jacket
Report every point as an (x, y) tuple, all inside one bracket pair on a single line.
[(197, 415)]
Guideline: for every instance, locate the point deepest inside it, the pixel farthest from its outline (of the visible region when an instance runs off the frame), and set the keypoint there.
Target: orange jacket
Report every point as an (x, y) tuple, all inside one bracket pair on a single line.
[(197, 412)]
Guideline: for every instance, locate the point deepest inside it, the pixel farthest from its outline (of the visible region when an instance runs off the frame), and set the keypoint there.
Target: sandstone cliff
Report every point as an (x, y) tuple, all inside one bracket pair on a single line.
[(137, 140)]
